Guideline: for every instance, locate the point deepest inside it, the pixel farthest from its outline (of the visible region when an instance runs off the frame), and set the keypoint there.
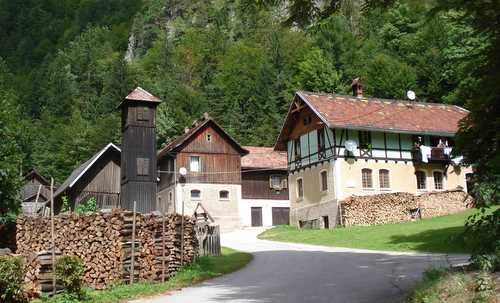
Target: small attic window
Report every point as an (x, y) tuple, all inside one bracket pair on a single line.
[(307, 120), (209, 137)]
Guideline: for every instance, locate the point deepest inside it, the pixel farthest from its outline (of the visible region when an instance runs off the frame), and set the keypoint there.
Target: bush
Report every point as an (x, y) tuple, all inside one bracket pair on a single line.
[(70, 270), (87, 207), (11, 279)]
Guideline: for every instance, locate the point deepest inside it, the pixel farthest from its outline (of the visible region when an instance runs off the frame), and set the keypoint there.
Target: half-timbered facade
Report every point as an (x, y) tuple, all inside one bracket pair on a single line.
[(339, 146), (265, 200), (212, 160)]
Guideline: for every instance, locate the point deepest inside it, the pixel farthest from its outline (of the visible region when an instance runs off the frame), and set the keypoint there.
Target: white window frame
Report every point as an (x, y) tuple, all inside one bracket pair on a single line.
[(321, 181), (443, 183), (191, 164), (224, 199), (299, 198), (390, 180), (371, 173), (426, 183), (191, 195)]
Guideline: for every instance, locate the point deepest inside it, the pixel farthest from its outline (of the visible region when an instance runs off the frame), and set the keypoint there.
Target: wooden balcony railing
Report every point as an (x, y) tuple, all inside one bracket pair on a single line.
[(437, 155)]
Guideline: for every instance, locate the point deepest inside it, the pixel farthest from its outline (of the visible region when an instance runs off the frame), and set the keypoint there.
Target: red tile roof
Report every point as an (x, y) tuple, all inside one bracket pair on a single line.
[(263, 157), (386, 115)]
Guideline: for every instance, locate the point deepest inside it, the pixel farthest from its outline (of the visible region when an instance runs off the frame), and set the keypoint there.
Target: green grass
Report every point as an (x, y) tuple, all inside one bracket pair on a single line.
[(444, 286), (439, 234), (204, 268)]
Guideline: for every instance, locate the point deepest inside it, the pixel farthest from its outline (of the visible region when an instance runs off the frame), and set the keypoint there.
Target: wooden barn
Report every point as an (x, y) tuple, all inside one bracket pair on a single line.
[(98, 177), (35, 192), (212, 159)]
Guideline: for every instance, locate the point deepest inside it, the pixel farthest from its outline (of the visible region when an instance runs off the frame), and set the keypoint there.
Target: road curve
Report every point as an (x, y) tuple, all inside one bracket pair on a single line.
[(297, 273)]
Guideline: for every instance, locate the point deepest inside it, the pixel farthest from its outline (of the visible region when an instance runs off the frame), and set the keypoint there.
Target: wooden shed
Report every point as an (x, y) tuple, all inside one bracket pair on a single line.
[(98, 177), (35, 192)]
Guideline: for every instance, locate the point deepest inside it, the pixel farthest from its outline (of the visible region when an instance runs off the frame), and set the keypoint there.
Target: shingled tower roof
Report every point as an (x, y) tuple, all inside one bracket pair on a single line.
[(141, 95)]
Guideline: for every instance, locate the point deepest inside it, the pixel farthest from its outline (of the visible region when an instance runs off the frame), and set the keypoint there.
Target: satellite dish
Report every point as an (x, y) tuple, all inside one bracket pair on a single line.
[(183, 171), (351, 145), (411, 95)]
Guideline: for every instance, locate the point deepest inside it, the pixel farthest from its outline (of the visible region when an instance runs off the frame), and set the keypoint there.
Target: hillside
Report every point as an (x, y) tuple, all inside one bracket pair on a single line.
[(65, 65)]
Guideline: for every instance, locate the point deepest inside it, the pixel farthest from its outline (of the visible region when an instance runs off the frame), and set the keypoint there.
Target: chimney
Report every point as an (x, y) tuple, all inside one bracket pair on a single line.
[(186, 130), (357, 88)]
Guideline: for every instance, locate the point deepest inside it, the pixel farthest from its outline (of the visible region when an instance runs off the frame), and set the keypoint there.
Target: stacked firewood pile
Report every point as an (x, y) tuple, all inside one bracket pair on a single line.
[(149, 253), (444, 202), (103, 240), (377, 209), (38, 271), (399, 207)]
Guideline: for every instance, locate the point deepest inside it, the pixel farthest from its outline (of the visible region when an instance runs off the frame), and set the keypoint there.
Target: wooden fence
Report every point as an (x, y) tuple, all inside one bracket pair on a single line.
[(208, 239)]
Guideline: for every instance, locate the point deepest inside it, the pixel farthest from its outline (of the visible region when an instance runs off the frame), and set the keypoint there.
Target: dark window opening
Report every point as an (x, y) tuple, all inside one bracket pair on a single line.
[(365, 140), (224, 195), (195, 194), (307, 120), (297, 148), (324, 181), (421, 182), (321, 139), (300, 189), (326, 224)]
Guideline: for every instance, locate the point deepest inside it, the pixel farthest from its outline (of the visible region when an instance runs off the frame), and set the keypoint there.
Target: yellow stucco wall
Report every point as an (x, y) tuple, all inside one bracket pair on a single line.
[(316, 204), (401, 175)]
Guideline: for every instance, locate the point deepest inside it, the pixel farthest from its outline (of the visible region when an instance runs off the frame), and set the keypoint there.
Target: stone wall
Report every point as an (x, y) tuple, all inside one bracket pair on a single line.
[(400, 207), (103, 240)]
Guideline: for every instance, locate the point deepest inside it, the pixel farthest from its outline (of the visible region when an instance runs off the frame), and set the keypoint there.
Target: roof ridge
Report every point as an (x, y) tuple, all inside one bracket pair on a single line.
[(371, 99)]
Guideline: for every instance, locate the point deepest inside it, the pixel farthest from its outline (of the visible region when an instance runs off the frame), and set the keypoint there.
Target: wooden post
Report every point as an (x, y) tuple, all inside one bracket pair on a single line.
[(36, 199), (132, 256), (182, 234), (52, 236), (162, 242)]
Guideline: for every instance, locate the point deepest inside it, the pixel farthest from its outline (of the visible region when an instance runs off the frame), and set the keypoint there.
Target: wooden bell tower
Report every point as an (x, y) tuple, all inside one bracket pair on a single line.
[(138, 156)]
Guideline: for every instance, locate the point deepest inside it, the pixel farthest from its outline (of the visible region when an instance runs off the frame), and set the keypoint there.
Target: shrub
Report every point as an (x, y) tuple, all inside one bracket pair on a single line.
[(11, 279), (87, 207), (70, 270)]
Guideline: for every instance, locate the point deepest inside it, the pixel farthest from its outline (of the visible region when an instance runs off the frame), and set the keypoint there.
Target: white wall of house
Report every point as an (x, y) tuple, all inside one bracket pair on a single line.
[(267, 205), (224, 211)]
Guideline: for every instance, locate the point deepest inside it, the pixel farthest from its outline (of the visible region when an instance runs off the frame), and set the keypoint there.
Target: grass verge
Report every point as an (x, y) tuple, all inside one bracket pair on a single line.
[(439, 234), (444, 286), (204, 268)]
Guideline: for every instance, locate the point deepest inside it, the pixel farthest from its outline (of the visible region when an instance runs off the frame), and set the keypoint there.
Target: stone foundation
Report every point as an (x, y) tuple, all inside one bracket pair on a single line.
[(312, 216)]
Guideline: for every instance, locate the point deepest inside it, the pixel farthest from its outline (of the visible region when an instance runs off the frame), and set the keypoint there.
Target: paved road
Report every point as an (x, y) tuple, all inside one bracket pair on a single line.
[(298, 273)]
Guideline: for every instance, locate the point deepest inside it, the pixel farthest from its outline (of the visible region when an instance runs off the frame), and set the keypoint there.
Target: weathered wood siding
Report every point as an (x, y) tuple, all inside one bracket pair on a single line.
[(30, 190), (138, 158), (255, 185), (102, 182), (220, 162)]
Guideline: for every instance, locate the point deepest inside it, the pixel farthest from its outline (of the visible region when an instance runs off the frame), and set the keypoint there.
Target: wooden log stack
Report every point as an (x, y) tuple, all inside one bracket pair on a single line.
[(400, 207), (103, 240)]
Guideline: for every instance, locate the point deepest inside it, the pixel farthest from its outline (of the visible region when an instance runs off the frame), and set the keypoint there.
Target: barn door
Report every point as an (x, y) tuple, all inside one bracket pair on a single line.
[(281, 215), (256, 216)]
